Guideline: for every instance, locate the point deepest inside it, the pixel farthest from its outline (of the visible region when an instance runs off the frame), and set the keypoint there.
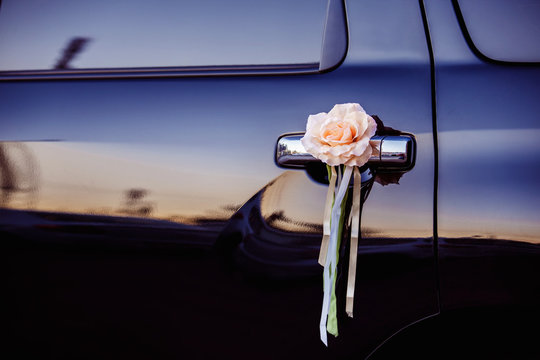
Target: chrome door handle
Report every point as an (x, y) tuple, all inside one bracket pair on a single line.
[(396, 152)]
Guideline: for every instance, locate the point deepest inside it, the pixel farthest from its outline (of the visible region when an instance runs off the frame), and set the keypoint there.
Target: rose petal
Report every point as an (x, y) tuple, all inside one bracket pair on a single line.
[(372, 127), (315, 122), (341, 110), (360, 160)]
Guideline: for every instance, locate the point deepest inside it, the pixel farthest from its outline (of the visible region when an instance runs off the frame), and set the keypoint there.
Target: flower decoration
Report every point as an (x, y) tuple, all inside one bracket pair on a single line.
[(339, 137)]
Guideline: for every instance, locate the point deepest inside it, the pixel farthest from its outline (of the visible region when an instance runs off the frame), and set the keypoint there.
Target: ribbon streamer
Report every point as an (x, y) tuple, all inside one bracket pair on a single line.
[(327, 213), (353, 252), (328, 255), (330, 266)]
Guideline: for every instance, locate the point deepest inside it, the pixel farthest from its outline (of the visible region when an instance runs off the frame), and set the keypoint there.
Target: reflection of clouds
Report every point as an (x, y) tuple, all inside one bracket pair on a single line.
[(478, 195), (404, 209), (292, 202), (297, 200), (203, 32), (91, 178), (162, 182)]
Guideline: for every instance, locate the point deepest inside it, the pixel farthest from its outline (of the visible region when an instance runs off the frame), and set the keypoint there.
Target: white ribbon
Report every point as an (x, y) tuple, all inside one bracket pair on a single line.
[(330, 266)]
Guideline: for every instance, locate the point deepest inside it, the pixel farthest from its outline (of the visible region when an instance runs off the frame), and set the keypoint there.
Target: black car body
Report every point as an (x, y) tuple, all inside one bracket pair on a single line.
[(143, 214)]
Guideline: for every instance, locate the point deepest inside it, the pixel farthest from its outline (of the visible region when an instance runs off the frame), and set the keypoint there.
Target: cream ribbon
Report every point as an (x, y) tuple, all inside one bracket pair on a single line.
[(355, 230), (330, 266)]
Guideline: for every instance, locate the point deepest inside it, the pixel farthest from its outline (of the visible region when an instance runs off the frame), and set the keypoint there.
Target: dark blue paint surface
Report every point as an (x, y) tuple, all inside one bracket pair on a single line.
[(158, 224)]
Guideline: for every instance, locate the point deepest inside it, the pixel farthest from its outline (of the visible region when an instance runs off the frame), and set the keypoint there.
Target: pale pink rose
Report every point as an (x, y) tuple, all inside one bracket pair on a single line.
[(340, 137)]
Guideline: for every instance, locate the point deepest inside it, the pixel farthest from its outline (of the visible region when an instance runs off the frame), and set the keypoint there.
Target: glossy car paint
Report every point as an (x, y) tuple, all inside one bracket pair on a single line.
[(488, 203), (114, 250), (156, 224)]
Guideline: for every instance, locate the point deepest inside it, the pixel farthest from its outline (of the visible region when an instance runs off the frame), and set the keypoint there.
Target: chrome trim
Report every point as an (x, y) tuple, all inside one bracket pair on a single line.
[(394, 152), (290, 153), (181, 71)]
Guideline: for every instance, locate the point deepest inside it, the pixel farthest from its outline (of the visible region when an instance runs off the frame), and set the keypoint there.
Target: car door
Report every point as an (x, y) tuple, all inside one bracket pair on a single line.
[(487, 84), (144, 214)]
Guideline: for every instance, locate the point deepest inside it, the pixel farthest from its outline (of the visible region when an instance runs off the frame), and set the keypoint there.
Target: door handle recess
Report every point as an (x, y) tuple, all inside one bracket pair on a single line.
[(395, 152)]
